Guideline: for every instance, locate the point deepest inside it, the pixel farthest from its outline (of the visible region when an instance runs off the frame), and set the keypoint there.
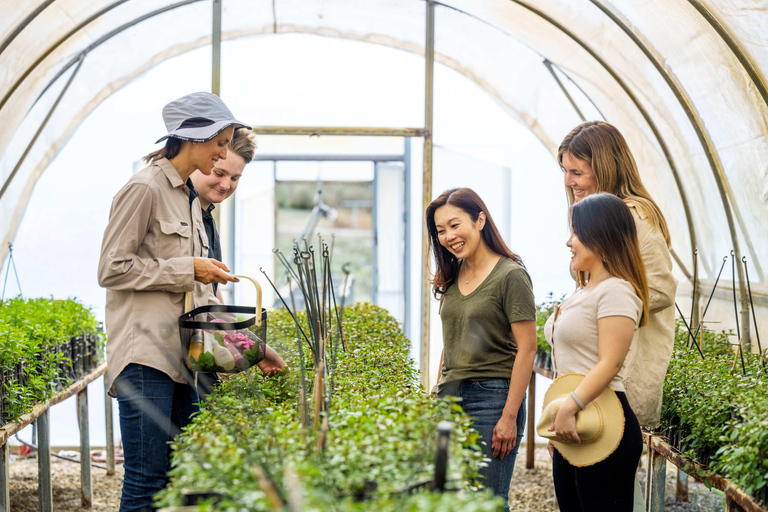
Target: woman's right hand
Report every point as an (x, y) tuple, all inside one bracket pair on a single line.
[(208, 270)]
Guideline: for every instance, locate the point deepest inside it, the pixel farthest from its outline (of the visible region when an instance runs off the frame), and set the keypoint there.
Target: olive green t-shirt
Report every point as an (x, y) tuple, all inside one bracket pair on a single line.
[(477, 337)]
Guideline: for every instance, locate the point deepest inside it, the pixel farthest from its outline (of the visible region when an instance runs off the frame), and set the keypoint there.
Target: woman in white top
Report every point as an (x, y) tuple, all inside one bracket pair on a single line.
[(590, 334)]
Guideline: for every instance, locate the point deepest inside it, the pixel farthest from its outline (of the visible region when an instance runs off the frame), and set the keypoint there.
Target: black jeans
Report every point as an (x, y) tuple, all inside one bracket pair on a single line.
[(607, 486)]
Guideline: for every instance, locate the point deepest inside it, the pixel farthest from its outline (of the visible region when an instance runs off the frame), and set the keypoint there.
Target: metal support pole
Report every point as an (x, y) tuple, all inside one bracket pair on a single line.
[(45, 490), (407, 231), (655, 480), (429, 58), (682, 486), (110, 431), (5, 479), (86, 489), (375, 290), (530, 443), (216, 49)]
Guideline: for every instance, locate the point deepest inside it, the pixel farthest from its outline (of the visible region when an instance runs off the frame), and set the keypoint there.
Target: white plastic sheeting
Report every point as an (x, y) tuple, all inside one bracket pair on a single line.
[(673, 83)]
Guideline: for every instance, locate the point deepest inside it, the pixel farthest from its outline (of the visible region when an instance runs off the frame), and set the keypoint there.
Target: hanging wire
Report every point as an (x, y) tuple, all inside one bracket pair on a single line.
[(682, 317), (701, 320), (7, 271)]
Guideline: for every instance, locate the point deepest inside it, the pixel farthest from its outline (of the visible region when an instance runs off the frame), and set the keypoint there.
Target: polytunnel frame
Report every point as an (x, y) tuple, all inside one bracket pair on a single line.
[(680, 94)]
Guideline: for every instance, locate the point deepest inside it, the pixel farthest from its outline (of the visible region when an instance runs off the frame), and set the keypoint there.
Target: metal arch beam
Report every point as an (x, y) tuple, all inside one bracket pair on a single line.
[(42, 126), (594, 105), (559, 82), (734, 47), (726, 195), (21, 26), (96, 43), (77, 59), (638, 105), (627, 90), (53, 47)]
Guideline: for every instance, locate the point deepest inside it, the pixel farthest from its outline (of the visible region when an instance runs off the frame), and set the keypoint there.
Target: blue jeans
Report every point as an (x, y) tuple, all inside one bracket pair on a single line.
[(484, 401), (153, 409)]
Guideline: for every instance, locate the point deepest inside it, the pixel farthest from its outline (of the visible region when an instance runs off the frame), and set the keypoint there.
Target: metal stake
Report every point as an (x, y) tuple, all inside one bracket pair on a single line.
[(754, 317), (45, 491)]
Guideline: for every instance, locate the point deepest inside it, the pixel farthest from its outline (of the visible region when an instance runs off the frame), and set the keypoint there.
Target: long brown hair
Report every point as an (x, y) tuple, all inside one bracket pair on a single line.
[(468, 201), (604, 149), (605, 226), (170, 150)]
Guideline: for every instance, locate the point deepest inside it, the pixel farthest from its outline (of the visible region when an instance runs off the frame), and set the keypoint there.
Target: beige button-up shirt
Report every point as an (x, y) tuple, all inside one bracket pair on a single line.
[(147, 265)]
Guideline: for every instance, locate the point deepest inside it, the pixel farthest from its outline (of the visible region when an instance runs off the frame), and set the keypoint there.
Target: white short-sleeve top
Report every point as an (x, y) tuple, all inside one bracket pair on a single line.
[(573, 334)]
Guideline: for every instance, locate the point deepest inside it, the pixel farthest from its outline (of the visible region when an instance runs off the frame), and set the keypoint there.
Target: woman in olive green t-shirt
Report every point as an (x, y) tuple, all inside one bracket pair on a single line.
[(488, 314)]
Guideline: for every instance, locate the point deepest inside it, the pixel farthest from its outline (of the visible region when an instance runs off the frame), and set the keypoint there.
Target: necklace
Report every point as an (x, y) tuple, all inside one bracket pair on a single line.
[(478, 268)]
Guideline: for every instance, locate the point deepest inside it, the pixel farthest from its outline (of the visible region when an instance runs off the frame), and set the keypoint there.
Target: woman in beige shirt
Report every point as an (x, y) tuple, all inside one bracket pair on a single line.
[(154, 251)]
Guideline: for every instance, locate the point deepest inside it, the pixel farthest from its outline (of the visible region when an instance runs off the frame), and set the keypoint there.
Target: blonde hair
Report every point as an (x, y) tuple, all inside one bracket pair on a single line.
[(604, 149), (604, 225), (243, 143)]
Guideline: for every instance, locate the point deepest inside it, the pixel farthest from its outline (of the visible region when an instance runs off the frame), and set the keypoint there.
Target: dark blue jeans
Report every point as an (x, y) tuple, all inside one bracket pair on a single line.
[(484, 401), (153, 409)]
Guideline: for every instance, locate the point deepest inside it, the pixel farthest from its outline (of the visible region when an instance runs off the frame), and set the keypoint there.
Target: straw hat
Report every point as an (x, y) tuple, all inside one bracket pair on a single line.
[(600, 425)]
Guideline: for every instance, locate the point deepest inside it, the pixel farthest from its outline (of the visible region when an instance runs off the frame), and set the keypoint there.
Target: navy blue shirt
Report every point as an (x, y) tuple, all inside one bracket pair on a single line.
[(214, 244)]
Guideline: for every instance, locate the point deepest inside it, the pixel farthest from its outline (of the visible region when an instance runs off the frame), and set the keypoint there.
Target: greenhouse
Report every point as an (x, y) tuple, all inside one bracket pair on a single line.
[(363, 114)]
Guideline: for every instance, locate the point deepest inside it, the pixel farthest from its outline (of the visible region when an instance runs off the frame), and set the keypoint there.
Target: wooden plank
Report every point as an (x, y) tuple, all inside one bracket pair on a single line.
[(86, 487), (5, 479), (530, 444), (745, 502), (9, 429), (45, 490)]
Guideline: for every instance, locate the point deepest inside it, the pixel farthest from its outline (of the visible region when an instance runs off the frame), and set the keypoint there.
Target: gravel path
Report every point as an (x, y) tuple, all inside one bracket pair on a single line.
[(532, 489), (65, 479)]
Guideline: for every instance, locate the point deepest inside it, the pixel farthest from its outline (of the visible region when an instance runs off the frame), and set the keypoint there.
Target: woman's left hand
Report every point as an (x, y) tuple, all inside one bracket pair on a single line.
[(565, 424), (504, 436)]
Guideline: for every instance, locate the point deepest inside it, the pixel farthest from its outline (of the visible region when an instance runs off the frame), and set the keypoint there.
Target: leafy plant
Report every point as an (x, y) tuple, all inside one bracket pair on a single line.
[(716, 414), (31, 332), (543, 312), (379, 439)]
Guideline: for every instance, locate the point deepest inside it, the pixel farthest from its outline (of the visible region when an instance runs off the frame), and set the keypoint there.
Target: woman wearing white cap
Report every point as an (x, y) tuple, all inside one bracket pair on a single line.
[(595, 458), (154, 251)]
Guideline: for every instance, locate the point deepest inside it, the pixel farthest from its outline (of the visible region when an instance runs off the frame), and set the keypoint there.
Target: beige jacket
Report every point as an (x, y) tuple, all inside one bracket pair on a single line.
[(146, 265), (646, 364)]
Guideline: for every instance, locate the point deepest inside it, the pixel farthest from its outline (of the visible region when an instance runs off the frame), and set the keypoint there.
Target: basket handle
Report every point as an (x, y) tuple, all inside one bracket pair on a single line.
[(258, 296), (188, 298)]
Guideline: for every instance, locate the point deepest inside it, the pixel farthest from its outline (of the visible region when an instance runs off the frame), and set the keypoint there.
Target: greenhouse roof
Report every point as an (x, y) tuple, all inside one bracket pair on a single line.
[(684, 80)]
